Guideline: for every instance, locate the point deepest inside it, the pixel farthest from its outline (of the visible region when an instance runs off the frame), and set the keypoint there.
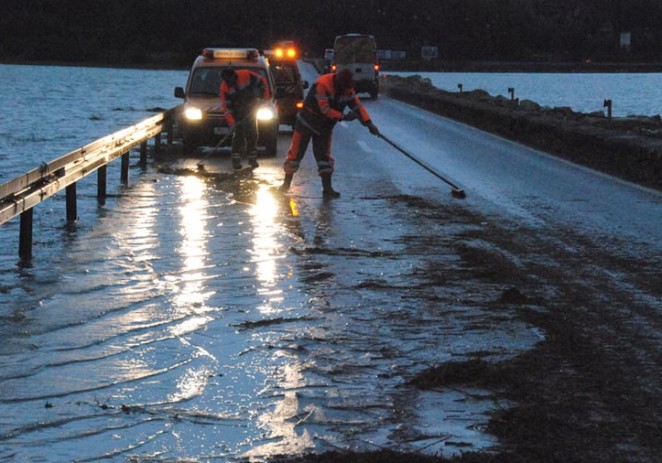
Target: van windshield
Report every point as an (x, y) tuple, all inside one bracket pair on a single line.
[(283, 74), (349, 50), (206, 81)]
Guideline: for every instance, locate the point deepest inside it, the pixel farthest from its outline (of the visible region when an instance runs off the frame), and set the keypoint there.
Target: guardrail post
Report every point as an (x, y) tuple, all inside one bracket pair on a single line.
[(169, 128), (124, 176), (102, 174), (72, 209), (25, 237), (157, 143), (143, 153)]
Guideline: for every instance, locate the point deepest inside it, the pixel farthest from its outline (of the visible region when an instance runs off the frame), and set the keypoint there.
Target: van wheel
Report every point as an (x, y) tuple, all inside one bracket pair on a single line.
[(271, 144), (190, 145)]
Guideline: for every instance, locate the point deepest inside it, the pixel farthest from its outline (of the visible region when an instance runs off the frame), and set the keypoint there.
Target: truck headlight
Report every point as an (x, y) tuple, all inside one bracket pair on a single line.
[(265, 113), (193, 114)]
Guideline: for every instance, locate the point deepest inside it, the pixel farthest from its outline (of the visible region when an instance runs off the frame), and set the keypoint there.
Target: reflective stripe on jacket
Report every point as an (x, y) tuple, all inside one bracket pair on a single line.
[(239, 99)]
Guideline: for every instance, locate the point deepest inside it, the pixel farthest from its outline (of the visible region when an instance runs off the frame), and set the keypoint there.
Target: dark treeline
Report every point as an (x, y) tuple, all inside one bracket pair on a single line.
[(171, 32)]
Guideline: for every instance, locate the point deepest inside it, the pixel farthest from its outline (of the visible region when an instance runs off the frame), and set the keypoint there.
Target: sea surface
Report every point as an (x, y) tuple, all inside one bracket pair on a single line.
[(630, 94)]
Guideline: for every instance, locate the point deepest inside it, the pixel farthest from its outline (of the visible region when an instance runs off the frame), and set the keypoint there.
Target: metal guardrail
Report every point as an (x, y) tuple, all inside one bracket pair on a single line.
[(19, 195)]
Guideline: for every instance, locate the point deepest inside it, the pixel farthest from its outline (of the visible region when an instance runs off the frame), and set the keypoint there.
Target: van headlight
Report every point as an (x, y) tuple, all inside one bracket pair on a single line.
[(193, 114), (265, 113)]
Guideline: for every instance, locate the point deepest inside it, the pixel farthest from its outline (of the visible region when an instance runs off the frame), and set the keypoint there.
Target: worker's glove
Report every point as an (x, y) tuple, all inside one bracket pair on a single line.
[(350, 116), (373, 128)]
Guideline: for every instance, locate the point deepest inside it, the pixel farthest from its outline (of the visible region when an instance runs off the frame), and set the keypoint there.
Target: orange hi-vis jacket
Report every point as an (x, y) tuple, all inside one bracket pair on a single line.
[(324, 105), (240, 99)]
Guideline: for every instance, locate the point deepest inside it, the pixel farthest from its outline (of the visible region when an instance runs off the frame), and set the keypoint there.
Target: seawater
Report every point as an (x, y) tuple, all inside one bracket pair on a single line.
[(49, 111), (630, 93)]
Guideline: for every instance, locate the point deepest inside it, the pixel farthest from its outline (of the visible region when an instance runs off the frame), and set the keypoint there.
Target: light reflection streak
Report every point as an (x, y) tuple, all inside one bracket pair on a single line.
[(266, 248), (191, 384), (142, 229), (284, 438), (193, 248), (191, 297)]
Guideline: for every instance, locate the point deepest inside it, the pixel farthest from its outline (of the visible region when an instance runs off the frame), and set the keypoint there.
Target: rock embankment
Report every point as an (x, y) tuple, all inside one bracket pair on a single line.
[(626, 147)]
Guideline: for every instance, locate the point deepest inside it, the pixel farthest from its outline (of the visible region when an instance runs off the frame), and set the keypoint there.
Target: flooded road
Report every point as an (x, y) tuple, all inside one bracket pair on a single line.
[(207, 317), (204, 317)]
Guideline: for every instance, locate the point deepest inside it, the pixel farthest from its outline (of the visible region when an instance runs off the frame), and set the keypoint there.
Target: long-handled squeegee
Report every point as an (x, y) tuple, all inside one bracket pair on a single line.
[(456, 191), (201, 164)]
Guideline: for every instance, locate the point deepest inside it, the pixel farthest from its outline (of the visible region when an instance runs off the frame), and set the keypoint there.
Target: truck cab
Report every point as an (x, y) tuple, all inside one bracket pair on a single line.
[(358, 53), (283, 59)]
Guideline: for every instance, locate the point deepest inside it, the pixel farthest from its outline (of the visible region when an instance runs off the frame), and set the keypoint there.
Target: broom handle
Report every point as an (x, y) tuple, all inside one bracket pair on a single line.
[(419, 162)]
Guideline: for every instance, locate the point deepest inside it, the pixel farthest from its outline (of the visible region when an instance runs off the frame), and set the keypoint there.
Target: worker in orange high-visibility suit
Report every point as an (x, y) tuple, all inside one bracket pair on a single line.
[(241, 93), (322, 109)]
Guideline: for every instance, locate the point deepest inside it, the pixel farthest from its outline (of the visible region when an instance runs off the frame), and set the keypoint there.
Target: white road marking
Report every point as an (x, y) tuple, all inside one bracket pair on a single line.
[(365, 147)]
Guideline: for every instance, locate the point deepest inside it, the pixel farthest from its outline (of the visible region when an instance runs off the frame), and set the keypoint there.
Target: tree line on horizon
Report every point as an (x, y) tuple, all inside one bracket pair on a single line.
[(171, 32)]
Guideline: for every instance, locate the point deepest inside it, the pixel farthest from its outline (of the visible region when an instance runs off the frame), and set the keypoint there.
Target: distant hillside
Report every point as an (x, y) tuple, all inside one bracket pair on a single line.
[(171, 32)]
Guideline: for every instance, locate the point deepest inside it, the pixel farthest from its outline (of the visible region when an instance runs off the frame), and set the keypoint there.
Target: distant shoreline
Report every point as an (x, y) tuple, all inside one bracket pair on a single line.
[(144, 66), (510, 66), (409, 66), (523, 67)]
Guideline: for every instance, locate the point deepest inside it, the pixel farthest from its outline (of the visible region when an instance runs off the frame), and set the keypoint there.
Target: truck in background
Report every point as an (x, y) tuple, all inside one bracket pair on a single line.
[(358, 53)]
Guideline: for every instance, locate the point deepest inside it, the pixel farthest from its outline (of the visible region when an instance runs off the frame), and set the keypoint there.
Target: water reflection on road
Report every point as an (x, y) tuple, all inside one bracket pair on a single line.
[(207, 317)]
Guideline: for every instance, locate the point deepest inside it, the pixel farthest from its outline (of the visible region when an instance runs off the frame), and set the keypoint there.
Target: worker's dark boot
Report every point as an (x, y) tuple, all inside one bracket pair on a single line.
[(327, 189), (286, 183), (236, 161), (252, 160)]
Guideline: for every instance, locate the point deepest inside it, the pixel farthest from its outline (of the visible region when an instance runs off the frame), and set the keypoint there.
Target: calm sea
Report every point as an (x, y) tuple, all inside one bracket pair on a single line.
[(631, 94)]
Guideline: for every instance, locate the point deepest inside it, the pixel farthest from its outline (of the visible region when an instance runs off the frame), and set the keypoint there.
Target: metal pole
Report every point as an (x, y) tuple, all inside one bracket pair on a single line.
[(72, 212), (157, 143), (25, 237), (143, 153), (607, 104), (169, 128), (124, 175), (102, 174)]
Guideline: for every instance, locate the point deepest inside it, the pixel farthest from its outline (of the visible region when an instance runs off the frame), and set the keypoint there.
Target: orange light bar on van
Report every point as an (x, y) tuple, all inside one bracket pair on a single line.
[(230, 53)]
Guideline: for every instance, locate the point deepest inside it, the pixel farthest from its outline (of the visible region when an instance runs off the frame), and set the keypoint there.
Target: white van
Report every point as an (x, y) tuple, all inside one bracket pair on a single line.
[(358, 53), (202, 120)]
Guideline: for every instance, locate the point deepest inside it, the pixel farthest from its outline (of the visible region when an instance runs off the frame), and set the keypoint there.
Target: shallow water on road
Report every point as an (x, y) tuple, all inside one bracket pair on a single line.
[(206, 317)]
